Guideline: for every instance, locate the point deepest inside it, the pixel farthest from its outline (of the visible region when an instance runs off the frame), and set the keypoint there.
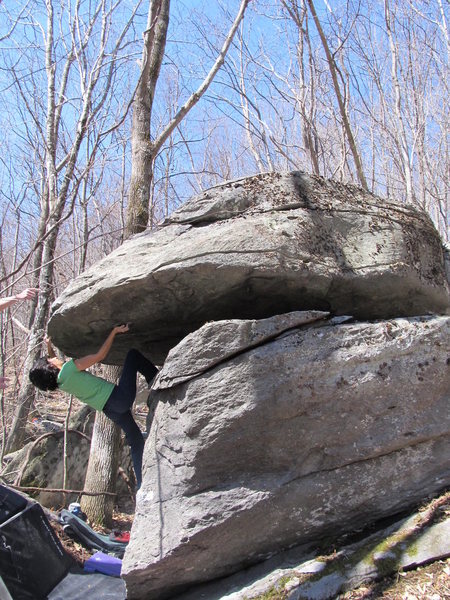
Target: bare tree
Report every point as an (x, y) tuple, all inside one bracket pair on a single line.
[(399, 114), (144, 152), (144, 149), (60, 151), (334, 71), (403, 59), (299, 16)]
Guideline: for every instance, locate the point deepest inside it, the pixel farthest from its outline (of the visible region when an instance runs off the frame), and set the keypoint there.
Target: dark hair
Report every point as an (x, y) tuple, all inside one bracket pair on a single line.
[(44, 375)]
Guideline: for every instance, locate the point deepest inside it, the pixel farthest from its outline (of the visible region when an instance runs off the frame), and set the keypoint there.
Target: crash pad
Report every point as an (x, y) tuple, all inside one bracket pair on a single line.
[(32, 559), (103, 563), (78, 585)]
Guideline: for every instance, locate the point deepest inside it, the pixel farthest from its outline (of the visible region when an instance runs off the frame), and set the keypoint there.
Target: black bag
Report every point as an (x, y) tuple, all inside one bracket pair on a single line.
[(79, 530)]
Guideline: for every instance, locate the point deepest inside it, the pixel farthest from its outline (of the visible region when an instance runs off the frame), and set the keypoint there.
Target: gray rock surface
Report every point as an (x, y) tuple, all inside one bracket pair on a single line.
[(252, 248), (215, 343), (300, 574), (41, 464), (273, 431), (403, 545), (298, 438)]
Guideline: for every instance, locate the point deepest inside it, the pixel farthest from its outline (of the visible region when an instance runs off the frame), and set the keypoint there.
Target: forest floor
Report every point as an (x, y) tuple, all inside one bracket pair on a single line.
[(430, 582), (427, 582)]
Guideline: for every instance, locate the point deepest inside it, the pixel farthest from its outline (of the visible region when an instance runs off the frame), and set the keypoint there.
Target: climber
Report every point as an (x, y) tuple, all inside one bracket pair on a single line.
[(115, 401)]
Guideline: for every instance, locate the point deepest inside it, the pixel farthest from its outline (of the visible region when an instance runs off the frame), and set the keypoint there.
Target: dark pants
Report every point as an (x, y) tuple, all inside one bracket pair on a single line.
[(118, 406)]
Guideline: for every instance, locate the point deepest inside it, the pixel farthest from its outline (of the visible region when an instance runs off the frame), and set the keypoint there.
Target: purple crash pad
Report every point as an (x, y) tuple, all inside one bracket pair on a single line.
[(103, 563)]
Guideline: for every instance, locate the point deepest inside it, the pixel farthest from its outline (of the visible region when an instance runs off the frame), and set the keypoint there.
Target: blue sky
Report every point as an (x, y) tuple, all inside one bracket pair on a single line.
[(197, 29)]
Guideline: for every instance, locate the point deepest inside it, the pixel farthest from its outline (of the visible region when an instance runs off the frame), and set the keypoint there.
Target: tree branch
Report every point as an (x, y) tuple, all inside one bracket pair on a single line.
[(195, 97)]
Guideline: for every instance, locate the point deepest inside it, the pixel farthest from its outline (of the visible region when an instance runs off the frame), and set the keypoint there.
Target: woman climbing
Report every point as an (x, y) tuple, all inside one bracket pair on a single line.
[(51, 373)]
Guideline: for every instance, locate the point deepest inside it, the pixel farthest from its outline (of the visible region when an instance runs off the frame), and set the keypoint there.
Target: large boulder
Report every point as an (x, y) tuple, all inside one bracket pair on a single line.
[(262, 441), (252, 248)]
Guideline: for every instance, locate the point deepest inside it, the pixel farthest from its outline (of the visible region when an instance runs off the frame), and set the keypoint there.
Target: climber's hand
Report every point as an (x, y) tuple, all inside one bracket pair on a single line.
[(123, 328)]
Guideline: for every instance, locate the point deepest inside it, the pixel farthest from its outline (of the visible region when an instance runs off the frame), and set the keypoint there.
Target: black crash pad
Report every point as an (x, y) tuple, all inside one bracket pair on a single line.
[(32, 559), (78, 585), (11, 503)]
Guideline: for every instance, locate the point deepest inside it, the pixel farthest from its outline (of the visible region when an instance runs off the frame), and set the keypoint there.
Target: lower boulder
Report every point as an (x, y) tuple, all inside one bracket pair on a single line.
[(39, 467), (280, 440)]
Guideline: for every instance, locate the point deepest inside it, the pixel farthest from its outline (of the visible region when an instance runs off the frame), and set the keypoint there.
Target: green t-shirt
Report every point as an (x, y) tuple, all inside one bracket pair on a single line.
[(88, 388)]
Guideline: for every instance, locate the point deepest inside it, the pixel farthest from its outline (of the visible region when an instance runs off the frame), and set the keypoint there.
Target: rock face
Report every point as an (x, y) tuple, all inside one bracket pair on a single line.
[(215, 343), (252, 248), (260, 442)]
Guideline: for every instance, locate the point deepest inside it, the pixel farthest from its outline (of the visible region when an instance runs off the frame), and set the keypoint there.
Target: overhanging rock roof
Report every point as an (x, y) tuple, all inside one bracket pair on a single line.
[(253, 248)]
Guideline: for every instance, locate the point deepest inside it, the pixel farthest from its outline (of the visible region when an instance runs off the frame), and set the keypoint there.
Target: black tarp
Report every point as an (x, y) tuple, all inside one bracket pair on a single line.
[(11, 503)]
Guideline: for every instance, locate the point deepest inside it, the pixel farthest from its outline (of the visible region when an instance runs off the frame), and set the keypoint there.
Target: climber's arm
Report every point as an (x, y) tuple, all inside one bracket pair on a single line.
[(91, 359), (50, 350)]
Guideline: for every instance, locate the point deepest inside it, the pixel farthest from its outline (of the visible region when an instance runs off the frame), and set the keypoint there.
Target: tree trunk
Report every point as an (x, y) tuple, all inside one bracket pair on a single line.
[(306, 109), (144, 149), (400, 129), (17, 436), (101, 475), (143, 153)]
